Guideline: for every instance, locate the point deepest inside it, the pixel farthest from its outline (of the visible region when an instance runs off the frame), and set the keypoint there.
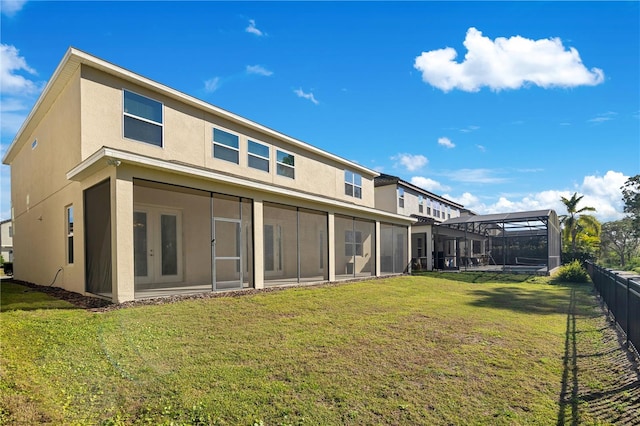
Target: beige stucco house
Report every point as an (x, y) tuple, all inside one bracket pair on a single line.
[(6, 240), (124, 188), (398, 196)]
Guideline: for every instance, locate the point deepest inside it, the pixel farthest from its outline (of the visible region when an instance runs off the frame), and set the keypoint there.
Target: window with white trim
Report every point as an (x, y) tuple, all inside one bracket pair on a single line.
[(401, 197), (420, 204), (143, 118), (285, 164), (226, 146), (258, 156), (69, 231), (352, 184)]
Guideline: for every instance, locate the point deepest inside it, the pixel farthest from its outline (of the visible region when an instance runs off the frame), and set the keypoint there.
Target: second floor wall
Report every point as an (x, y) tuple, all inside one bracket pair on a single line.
[(121, 114)]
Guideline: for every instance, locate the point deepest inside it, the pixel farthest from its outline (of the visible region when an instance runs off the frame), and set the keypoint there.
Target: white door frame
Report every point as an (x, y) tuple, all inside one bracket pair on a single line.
[(154, 244)]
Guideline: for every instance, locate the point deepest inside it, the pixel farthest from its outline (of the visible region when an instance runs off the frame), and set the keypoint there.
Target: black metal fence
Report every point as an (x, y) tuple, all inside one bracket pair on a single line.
[(620, 292)]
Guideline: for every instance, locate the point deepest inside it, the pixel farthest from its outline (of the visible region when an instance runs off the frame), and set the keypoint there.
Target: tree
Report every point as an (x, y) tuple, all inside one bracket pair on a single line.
[(588, 235), (631, 197), (570, 220), (619, 238)]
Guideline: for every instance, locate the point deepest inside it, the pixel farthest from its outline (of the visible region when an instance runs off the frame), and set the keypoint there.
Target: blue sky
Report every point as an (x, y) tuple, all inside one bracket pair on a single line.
[(500, 106)]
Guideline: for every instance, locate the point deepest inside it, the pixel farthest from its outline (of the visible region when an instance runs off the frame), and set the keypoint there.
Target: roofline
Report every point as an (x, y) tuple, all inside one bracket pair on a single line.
[(417, 188), (115, 156), (74, 58)]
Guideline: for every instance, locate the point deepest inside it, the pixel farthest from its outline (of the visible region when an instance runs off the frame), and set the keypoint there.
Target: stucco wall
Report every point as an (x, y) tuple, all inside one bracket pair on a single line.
[(188, 138), (40, 192)]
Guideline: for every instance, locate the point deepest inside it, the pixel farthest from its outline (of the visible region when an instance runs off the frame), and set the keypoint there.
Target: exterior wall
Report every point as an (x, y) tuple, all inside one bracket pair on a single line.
[(387, 198), (6, 240), (188, 138), (40, 192)]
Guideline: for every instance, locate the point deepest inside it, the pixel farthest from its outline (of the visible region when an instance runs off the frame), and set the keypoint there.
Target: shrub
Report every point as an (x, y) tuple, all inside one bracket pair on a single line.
[(572, 272)]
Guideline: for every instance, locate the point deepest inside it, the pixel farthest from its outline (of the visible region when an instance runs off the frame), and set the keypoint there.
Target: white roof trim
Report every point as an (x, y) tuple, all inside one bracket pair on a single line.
[(139, 160)]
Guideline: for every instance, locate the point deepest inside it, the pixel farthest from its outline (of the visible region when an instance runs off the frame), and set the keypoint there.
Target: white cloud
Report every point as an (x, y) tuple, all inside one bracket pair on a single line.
[(212, 84), (506, 63), (601, 192), (259, 70), (446, 142), (11, 7), (601, 118), (409, 161), (11, 63), (309, 96), (481, 148), (483, 176), (469, 129), (428, 184), (252, 29), (19, 91)]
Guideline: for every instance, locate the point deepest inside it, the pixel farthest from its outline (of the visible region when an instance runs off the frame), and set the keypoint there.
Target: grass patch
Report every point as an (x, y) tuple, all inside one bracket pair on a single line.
[(430, 349)]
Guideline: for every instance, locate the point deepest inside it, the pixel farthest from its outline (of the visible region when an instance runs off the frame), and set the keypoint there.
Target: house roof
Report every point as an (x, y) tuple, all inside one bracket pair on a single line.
[(385, 179), (75, 58)]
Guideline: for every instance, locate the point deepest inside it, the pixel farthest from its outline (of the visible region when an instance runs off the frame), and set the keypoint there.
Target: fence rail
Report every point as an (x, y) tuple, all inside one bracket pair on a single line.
[(620, 292)]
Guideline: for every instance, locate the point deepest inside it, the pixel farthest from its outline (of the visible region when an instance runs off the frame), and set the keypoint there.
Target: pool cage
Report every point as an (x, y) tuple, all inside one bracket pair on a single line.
[(527, 242)]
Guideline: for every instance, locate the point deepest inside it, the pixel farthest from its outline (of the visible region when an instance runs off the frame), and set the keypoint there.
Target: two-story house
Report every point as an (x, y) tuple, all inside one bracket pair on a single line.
[(125, 188), (6, 240), (429, 246)]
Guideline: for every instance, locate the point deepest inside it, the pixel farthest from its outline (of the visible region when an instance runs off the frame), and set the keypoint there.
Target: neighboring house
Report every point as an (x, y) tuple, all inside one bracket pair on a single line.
[(6, 240), (125, 188), (448, 236), (398, 196)]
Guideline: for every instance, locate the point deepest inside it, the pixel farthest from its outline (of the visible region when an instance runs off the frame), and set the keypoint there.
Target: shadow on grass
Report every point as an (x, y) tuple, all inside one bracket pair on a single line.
[(479, 277), (521, 299), (21, 296), (603, 385)]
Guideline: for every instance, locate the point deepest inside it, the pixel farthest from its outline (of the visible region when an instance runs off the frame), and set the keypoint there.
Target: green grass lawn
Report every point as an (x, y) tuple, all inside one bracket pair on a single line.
[(433, 349)]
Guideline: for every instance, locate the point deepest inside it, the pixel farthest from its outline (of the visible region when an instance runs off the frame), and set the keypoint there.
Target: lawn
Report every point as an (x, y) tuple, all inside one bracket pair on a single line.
[(433, 349)]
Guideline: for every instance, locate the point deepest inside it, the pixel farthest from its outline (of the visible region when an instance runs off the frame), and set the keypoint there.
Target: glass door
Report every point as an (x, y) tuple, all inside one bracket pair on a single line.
[(227, 261), (157, 245)]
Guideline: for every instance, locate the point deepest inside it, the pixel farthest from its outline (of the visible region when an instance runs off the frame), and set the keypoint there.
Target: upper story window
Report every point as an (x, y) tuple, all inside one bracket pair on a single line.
[(429, 206), (420, 204), (143, 119), (352, 184), (258, 156), (448, 212), (226, 146), (401, 197), (286, 164), (34, 144)]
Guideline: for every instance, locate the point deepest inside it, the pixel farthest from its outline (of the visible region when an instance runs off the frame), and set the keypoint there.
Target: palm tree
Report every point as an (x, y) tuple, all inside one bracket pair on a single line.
[(570, 221)]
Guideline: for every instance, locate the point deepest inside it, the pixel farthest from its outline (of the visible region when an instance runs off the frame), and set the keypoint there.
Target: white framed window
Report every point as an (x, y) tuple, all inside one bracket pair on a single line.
[(420, 204), (286, 164), (143, 118), (69, 231), (429, 206), (34, 144), (258, 156), (352, 184), (401, 197), (352, 243), (226, 145)]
